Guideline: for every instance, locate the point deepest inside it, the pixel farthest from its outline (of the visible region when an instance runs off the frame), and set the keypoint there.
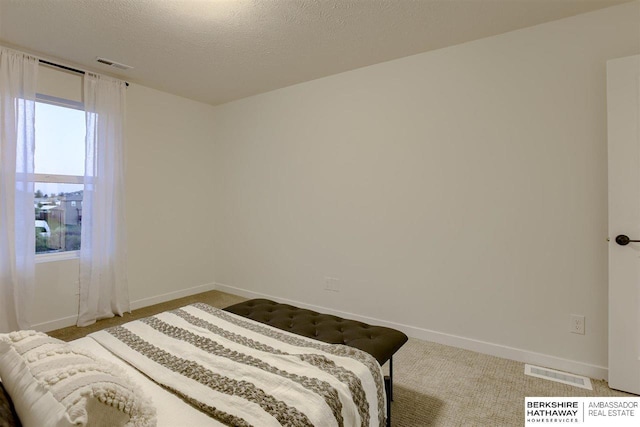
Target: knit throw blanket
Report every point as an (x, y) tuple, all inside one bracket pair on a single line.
[(244, 373)]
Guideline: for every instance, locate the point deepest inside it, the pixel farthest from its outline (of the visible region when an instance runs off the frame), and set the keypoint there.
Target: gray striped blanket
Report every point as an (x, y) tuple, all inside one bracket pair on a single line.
[(244, 373)]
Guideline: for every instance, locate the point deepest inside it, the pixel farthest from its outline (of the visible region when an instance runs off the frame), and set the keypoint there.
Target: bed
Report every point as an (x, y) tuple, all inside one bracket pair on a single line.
[(202, 366)]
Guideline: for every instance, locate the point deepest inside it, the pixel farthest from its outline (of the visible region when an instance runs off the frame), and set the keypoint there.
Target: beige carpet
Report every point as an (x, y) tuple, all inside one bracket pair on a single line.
[(434, 385), (438, 385)]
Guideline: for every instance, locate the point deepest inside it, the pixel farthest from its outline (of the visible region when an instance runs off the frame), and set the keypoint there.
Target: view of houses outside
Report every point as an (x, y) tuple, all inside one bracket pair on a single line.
[(59, 170), (58, 220)]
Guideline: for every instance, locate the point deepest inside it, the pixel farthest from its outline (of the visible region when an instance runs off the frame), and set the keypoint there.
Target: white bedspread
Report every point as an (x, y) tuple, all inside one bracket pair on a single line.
[(243, 373)]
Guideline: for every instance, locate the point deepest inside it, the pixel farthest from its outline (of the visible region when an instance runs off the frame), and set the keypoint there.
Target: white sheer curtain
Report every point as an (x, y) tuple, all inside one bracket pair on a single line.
[(18, 73), (103, 280)]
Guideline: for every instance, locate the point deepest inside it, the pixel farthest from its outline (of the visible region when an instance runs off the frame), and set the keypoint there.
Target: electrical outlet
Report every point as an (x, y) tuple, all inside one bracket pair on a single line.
[(331, 284), (577, 324)]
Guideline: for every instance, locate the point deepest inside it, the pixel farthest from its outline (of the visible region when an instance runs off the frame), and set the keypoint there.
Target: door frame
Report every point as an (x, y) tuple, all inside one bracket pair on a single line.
[(623, 114)]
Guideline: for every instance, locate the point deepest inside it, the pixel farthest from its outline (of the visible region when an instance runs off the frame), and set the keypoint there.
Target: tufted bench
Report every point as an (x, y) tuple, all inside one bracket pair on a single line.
[(378, 341)]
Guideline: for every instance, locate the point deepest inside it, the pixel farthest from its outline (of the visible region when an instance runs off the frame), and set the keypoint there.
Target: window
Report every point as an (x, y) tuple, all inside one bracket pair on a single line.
[(59, 174)]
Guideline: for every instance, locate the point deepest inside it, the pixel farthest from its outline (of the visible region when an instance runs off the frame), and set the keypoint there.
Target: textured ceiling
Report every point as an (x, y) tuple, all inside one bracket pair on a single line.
[(220, 50)]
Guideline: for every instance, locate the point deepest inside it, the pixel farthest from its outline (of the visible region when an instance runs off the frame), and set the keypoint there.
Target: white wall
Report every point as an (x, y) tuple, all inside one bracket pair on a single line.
[(169, 209), (169, 197), (459, 194)]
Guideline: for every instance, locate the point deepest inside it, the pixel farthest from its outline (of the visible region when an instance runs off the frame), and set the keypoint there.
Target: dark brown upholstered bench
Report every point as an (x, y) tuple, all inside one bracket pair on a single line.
[(378, 341)]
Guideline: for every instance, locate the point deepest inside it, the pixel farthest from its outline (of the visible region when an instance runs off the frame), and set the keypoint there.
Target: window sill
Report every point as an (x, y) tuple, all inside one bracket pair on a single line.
[(60, 256)]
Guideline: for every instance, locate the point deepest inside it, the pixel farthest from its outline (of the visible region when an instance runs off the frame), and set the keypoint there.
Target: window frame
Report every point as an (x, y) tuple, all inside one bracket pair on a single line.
[(44, 257)]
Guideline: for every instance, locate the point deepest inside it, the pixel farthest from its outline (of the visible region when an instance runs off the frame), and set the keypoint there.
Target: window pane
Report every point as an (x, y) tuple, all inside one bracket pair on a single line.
[(60, 145), (58, 216)]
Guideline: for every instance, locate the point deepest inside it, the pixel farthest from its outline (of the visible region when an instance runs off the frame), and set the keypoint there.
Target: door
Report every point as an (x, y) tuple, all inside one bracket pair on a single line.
[(623, 116)]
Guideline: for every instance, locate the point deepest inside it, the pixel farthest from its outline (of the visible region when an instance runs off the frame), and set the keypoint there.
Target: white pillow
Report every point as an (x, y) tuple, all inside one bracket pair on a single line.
[(53, 384)]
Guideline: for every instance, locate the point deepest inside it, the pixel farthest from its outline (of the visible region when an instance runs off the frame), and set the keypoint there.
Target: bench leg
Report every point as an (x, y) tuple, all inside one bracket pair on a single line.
[(391, 379), (388, 386)]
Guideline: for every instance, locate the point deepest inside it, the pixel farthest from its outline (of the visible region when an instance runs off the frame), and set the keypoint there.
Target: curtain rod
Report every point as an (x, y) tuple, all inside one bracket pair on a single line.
[(64, 67)]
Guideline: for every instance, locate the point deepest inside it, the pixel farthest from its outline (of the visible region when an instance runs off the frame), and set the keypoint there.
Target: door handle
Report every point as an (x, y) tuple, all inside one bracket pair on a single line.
[(624, 240)]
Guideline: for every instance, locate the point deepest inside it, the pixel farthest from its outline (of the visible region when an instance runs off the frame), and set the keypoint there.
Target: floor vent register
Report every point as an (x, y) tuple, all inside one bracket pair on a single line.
[(558, 376)]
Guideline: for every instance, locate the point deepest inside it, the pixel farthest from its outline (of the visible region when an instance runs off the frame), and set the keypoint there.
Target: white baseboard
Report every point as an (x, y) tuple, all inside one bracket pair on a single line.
[(141, 303), (519, 355), (52, 325), (146, 302)]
